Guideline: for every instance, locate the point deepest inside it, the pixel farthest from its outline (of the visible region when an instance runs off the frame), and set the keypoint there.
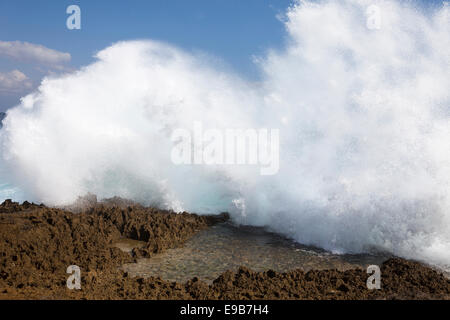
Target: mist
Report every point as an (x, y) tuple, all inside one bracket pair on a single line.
[(363, 118)]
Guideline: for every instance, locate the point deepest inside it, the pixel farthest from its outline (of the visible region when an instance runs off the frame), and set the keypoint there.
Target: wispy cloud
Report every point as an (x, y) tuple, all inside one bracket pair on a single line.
[(34, 53), (14, 82)]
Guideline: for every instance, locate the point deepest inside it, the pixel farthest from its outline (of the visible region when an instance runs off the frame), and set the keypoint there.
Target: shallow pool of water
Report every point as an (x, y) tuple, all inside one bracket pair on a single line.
[(226, 247)]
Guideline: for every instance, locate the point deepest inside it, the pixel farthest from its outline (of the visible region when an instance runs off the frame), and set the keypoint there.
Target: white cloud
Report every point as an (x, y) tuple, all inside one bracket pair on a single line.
[(14, 81), (29, 52)]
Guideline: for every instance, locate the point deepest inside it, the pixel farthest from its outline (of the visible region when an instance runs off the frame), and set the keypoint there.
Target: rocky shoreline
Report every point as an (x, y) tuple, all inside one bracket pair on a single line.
[(37, 243)]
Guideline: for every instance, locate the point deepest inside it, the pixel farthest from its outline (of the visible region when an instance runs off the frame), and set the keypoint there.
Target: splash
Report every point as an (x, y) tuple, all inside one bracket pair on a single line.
[(363, 117)]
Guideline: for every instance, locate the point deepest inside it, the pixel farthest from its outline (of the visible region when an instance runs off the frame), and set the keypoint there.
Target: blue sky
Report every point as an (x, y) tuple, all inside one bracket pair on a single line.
[(232, 30)]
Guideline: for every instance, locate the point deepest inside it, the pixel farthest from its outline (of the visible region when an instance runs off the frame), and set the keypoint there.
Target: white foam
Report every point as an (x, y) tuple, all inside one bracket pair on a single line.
[(363, 118)]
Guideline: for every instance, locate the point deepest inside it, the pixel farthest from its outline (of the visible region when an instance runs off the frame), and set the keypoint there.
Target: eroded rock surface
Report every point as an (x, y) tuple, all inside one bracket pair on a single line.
[(38, 243)]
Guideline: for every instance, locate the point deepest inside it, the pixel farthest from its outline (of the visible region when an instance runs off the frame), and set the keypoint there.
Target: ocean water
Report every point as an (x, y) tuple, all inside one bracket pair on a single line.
[(8, 191), (227, 247), (363, 116)]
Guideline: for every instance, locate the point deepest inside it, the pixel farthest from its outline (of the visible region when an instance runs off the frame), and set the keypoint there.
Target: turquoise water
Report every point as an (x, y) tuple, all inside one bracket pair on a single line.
[(8, 191)]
